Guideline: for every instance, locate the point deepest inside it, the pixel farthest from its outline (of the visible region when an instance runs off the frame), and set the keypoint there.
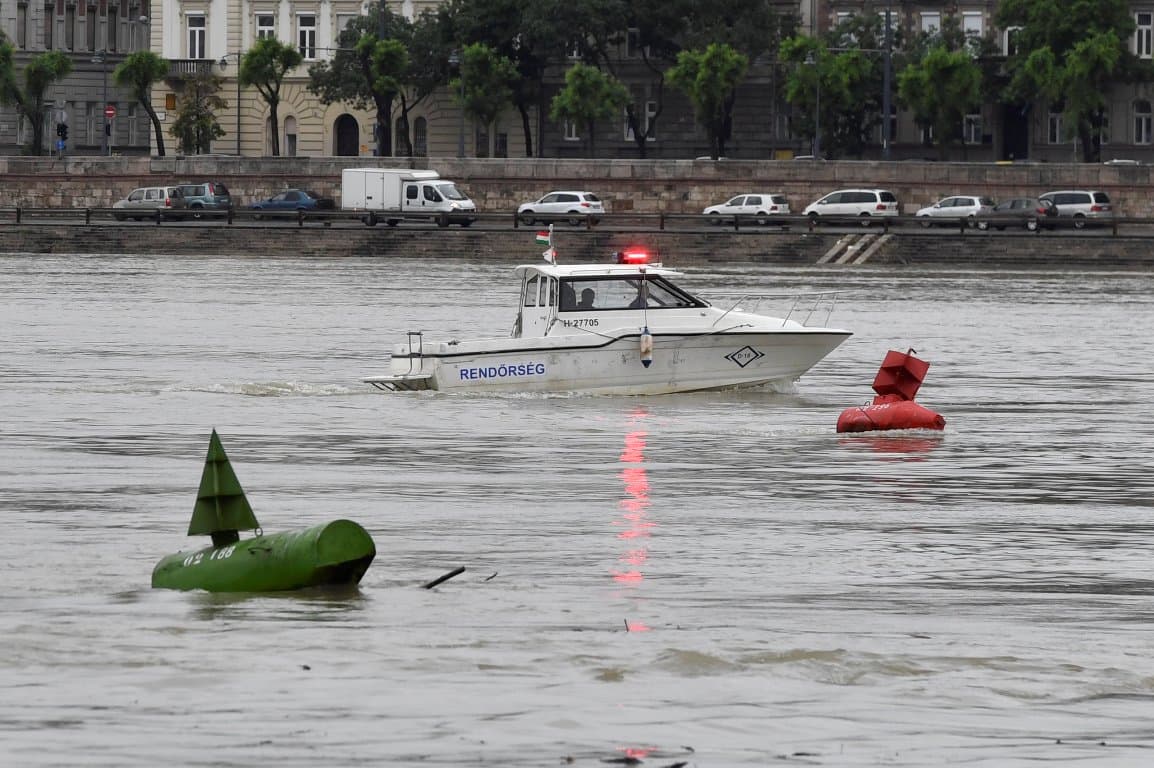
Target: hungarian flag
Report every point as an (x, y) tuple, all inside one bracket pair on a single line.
[(542, 238)]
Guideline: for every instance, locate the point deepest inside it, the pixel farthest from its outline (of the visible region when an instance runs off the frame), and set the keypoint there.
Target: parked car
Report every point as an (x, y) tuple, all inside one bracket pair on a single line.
[(950, 210), (863, 203), (295, 200), (574, 207), (143, 202), (1029, 212), (1081, 207), (208, 195), (757, 206)]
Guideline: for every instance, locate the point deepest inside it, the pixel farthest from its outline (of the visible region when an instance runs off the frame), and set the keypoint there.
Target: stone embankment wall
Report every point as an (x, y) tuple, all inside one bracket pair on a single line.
[(645, 186), (907, 249)]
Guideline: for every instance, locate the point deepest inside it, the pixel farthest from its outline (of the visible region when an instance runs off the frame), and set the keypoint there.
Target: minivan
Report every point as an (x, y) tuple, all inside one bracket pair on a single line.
[(1081, 206), (143, 203), (863, 203), (208, 195)]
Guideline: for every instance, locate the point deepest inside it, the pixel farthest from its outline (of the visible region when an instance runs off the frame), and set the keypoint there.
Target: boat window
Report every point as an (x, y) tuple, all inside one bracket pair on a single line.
[(622, 293), (550, 297), (531, 288)]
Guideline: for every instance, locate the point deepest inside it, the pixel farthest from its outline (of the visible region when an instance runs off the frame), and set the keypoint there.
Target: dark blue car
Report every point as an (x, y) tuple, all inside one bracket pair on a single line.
[(295, 200)]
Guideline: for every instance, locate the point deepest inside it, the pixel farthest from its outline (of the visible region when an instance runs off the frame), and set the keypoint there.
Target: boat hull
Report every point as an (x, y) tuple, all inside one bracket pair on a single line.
[(338, 552), (681, 362)]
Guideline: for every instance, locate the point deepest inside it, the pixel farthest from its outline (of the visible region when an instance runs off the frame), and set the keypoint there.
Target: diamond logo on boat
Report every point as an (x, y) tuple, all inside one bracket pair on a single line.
[(744, 356)]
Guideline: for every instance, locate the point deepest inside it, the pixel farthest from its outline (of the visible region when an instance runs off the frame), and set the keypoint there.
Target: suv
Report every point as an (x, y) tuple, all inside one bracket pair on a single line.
[(1083, 207), (144, 202), (864, 203), (209, 195), (574, 207), (758, 207)]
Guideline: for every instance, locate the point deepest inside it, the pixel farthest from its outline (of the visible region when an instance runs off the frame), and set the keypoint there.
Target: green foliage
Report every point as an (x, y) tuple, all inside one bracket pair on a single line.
[(486, 80), (941, 90), (709, 79), (264, 67), (29, 100), (1069, 55), (137, 74), (196, 126), (589, 95)]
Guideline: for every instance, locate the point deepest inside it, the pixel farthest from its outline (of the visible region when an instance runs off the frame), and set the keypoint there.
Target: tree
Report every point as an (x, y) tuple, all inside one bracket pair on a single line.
[(709, 78), (196, 126), (42, 71), (264, 67), (137, 73), (589, 95), (486, 80), (942, 89), (1070, 56)]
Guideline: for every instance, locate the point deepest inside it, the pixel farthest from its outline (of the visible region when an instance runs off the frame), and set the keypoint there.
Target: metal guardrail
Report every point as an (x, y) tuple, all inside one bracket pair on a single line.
[(625, 221)]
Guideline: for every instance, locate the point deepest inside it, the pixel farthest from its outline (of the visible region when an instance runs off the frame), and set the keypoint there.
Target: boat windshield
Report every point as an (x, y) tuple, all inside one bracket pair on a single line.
[(605, 293), (450, 191)]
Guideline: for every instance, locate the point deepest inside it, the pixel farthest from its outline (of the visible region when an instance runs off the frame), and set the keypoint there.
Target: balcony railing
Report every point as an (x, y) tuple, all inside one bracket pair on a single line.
[(182, 68)]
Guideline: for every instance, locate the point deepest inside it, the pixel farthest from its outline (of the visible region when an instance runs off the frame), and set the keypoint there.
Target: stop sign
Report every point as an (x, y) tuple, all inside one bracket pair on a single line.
[(110, 111)]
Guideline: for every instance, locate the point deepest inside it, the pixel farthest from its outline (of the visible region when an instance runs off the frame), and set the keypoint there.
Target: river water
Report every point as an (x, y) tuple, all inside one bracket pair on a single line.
[(710, 579)]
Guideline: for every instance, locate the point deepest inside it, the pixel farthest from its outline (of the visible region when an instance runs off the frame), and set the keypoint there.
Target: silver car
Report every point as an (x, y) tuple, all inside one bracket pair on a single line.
[(1080, 207), (572, 206), (757, 206), (951, 210), (144, 202)]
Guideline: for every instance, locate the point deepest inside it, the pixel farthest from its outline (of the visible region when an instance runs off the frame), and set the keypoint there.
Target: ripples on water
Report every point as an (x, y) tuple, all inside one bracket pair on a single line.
[(716, 579)]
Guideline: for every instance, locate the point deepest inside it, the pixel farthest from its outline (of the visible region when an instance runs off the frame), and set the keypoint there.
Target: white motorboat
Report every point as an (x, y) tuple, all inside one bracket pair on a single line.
[(620, 328)]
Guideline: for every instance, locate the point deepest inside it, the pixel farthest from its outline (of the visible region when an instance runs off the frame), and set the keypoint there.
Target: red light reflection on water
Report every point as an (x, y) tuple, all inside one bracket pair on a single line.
[(634, 521)]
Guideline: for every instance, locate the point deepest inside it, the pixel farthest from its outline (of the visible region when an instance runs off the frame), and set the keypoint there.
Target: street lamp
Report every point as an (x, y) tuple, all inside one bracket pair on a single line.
[(810, 60), (223, 64), (101, 58), (455, 61)]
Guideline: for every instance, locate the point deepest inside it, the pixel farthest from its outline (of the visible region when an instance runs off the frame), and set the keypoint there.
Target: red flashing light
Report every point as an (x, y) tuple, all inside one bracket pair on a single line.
[(632, 257)]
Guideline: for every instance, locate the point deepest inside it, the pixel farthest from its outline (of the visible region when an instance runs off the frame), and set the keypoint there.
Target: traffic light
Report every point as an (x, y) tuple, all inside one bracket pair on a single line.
[(62, 131)]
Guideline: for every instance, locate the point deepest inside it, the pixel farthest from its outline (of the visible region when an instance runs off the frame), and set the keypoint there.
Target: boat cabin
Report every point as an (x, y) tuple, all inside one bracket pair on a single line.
[(550, 292)]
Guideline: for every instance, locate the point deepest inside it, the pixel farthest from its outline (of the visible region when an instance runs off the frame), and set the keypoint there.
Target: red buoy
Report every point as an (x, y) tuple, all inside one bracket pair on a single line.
[(897, 383)]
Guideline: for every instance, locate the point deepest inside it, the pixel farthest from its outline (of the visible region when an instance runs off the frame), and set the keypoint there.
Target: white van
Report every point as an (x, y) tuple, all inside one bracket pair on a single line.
[(393, 194), (863, 203)]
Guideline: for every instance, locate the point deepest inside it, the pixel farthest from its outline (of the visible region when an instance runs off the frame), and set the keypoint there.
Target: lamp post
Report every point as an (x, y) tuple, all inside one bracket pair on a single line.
[(888, 76), (816, 151), (455, 61), (223, 64), (101, 58)]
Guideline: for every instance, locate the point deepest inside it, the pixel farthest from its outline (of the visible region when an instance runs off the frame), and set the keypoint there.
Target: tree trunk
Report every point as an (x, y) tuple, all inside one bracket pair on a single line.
[(272, 109), (526, 129), (384, 135), (157, 131)]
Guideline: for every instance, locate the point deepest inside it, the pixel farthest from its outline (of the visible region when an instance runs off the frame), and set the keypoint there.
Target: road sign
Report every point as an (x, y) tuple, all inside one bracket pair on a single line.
[(110, 111)]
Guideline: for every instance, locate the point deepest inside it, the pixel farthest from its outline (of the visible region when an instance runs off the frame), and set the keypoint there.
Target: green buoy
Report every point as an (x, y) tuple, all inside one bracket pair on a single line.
[(334, 553)]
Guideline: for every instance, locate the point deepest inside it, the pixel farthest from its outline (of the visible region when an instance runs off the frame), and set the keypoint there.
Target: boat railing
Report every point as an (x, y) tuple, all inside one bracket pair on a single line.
[(804, 308)]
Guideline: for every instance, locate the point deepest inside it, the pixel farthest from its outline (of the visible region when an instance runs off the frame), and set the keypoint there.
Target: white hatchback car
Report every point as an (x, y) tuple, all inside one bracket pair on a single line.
[(863, 203), (756, 206), (950, 210), (574, 207)]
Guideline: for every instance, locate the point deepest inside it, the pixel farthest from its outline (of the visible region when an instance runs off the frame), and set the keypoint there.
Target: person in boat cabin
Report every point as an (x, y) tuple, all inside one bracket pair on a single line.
[(587, 297)]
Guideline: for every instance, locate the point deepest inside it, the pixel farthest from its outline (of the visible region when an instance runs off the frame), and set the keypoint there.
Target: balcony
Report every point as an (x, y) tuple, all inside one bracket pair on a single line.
[(182, 69)]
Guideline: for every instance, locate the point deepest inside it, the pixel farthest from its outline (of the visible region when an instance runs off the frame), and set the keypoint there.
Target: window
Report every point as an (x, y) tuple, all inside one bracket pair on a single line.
[(21, 26), (1104, 130), (1142, 120), (196, 36), (90, 29), (1011, 43), (644, 120), (501, 145), (114, 25), (927, 135), (421, 137), (49, 27), (307, 36), (972, 129), (973, 27), (633, 44), (70, 28), (265, 26), (481, 141), (1054, 128), (569, 128), (931, 23), (1143, 34), (344, 20), (290, 136)]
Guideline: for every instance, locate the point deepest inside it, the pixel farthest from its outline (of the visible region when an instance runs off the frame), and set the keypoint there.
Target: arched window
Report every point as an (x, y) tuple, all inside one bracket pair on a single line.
[(420, 137), (1142, 122), (290, 136)]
